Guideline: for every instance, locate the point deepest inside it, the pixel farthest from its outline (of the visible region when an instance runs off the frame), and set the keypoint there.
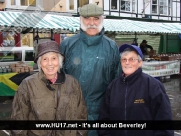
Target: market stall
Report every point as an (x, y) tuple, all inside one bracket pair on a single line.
[(14, 26)]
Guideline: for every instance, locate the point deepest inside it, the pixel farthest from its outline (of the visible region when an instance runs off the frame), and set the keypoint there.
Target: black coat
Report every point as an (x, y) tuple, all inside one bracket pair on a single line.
[(144, 48)]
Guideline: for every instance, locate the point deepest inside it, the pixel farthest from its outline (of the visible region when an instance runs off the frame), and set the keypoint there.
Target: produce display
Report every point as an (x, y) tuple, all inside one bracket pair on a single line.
[(19, 67)]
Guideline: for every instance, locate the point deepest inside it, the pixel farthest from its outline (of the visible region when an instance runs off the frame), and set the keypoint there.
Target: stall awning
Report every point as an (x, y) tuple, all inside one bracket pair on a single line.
[(129, 26), (20, 21)]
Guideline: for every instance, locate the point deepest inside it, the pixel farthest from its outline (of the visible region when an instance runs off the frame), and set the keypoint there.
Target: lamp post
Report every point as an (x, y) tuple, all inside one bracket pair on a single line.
[(180, 11)]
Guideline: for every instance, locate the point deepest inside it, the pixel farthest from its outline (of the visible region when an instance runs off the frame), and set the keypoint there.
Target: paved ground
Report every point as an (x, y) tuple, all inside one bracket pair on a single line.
[(173, 89)]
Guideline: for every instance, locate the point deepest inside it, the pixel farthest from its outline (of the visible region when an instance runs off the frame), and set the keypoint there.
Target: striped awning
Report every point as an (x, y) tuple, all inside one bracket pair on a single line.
[(21, 21), (129, 26)]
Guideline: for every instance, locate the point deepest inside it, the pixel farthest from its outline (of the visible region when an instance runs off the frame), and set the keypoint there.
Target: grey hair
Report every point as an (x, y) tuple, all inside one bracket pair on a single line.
[(60, 58), (127, 51)]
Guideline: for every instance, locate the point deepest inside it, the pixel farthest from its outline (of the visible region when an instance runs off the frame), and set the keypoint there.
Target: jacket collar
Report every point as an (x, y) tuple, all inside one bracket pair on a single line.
[(60, 79), (131, 78), (91, 40)]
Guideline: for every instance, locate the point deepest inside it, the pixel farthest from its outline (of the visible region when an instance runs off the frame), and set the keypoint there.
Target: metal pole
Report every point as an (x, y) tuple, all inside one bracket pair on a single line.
[(180, 11), (109, 7), (52, 35), (77, 7), (137, 8), (119, 7), (171, 9), (166, 44)]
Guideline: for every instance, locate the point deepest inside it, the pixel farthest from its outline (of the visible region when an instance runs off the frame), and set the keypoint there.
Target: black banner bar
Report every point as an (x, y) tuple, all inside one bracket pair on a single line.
[(90, 125)]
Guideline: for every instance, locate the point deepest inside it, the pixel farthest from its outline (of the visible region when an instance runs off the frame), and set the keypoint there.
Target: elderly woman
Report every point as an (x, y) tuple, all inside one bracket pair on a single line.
[(49, 94), (135, 96)]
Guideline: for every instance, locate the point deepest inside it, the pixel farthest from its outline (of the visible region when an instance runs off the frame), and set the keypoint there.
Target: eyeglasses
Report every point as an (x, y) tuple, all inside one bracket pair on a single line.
[(130, 60)]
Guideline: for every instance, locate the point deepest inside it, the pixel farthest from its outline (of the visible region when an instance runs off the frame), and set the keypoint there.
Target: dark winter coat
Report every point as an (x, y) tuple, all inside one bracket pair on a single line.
[(136, 97)]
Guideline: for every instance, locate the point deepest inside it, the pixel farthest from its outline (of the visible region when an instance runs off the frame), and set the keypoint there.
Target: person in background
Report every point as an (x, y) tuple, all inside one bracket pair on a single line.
[(135, 41), (144, 48), (92, 58), (49, 94), (135, 96)]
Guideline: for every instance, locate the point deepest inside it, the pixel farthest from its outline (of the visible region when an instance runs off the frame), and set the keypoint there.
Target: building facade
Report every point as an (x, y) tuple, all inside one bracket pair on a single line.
[(70, 6), (153, 9)]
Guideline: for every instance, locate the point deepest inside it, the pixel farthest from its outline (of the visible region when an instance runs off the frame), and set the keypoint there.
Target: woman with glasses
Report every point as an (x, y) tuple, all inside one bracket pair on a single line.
[(135, 96)]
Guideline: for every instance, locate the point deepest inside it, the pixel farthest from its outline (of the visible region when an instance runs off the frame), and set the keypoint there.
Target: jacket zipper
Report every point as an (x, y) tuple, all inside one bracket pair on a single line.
[(125, 103)]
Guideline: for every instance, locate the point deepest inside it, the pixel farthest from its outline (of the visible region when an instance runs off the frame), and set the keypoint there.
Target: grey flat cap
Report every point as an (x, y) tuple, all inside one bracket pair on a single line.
[(91, 10)]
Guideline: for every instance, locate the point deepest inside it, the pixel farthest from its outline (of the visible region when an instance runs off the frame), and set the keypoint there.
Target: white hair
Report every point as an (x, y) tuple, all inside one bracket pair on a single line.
[(60, 58), (84, 28), (127, 51)]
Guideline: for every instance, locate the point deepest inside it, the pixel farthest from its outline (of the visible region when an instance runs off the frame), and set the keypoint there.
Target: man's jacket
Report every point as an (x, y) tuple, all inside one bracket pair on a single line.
[(94, 62)]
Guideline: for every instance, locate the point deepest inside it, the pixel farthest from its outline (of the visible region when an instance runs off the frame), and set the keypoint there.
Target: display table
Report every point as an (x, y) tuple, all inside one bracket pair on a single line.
[(7, 87), (161, 68)]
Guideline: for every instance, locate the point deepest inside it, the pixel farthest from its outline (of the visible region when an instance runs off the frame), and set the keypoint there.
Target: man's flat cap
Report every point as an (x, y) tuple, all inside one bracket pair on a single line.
[(91, 10)]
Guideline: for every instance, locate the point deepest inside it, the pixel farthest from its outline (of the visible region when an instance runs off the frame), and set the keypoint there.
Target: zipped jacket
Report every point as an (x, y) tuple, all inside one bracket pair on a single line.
[(136, 97)]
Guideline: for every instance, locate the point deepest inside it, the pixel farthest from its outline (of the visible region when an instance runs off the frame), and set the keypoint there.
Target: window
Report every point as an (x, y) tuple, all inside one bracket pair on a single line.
[(32, 2), (24, 2), (71, 4), (29, 56), (28, 2), (83, 2), (154, 6), (13, 2), (161, 7), (8, 56), (133, 5), (125, 5), (113, 4), (169, 7)]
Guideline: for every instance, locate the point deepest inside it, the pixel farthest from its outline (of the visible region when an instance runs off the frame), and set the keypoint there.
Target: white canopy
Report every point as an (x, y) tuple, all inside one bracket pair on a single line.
[(21, 21)]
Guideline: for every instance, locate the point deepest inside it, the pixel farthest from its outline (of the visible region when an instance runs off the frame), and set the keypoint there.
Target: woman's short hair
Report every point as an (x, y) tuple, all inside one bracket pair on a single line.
[(60, 58)]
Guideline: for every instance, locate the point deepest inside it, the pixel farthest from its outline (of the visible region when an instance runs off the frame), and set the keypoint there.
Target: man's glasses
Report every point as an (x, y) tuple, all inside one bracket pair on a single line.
[(130, 60)]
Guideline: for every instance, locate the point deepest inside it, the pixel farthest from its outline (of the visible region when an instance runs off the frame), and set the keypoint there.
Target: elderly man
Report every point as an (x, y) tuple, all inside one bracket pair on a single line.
[(135, 96), (92, 58)]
